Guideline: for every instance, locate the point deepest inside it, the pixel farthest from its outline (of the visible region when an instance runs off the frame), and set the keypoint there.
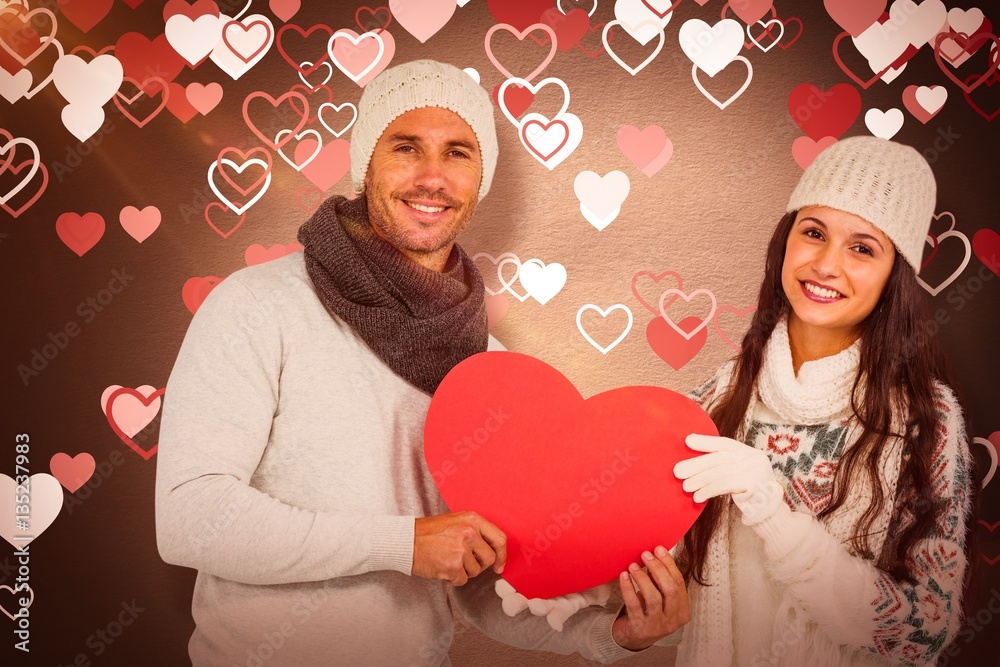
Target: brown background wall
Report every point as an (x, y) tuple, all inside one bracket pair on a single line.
[(706, 215)]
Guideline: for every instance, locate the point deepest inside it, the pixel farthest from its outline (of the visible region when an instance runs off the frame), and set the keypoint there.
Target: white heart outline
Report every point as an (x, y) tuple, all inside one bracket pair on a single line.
[(589, 14), (499, 261), (534, 88), (42, 46), (239, 210), (47, 80), (993, 459), (329, 76), (365, 35), (614, 56), (31, 172), (243, 11), (687, 299), (604, 313), (509, 286), (781, 33), (336, 107), (319, 147), (952, 232), (736, 95)]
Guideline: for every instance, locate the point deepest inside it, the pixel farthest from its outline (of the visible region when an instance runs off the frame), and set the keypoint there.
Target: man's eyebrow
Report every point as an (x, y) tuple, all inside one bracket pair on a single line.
[(412, 138), (854, 235)]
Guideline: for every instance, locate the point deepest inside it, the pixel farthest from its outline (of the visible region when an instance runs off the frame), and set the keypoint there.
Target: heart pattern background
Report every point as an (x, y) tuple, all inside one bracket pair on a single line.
[(130, 187)]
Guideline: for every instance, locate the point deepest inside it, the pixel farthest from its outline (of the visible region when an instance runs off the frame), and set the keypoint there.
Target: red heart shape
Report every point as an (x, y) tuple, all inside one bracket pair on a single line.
[(145, 400), (672, 347), (283, 34), (80, 233), (373, 13), (275, 103), (15, 212), (178, 103), (72, 471), (520, 14), (143, 59), (580, 486), (970, 44), (822, 113), (213, 206), (570, 27), (192, 10), (85, 14), (517, 98), (195, 290), (986, 245)]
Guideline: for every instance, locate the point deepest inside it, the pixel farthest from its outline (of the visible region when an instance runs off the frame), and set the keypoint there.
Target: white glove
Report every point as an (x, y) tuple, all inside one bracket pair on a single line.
[(555, 610), (731, 467)]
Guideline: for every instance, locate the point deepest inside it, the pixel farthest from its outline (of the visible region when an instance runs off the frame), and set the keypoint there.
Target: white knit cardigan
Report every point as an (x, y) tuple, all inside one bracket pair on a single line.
[(830, 597)]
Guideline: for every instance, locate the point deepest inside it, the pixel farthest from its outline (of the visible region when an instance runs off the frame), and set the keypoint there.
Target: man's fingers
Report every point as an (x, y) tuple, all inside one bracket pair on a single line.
[(496, 539), (471, 565), (484, 554)]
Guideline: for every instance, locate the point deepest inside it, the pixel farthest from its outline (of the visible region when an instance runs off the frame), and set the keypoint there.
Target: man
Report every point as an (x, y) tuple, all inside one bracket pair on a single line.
[(291, 471)]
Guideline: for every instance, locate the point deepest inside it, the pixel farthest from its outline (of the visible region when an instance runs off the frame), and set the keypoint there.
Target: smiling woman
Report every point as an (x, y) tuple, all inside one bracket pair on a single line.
[(836, 266), (843, 449)]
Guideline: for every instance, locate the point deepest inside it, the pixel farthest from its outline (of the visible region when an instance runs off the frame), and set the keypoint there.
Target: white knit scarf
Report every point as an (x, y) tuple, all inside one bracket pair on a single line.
[(820, 394)]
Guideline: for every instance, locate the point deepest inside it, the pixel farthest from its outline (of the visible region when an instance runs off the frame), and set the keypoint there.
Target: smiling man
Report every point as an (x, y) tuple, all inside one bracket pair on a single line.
[(291, 472)]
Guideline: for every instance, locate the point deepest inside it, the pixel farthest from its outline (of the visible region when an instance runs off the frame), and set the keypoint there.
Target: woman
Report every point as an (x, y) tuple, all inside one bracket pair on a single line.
[(845, 542)]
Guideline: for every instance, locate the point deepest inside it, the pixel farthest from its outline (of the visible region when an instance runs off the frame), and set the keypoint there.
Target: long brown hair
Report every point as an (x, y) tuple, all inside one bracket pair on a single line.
[(899, 357)]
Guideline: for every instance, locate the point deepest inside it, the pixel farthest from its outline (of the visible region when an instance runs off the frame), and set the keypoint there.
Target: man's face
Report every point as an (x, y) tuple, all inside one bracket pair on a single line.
[(423, 183)]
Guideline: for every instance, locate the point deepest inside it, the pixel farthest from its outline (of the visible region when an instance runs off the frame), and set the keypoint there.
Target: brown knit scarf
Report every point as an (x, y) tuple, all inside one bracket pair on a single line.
[(421, 323)]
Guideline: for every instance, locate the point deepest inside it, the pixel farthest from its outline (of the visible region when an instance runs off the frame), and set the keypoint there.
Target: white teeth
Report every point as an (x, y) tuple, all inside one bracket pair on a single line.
[(426, 209), (820, 291)]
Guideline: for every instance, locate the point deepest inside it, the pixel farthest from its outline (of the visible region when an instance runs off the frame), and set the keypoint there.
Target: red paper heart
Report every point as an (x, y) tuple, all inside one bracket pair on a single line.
[(580, 487)]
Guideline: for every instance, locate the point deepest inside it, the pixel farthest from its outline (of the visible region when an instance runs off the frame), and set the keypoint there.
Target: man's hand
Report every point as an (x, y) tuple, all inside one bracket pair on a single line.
[(456, 547), (658, 609)]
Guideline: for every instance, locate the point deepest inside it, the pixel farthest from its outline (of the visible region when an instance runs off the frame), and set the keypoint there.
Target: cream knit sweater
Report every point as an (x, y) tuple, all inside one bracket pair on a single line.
[(289, 474), (793, 593)]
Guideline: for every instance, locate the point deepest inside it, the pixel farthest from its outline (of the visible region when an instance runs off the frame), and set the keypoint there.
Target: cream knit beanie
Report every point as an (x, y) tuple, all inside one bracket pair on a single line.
[(887, 183), (416, 84)]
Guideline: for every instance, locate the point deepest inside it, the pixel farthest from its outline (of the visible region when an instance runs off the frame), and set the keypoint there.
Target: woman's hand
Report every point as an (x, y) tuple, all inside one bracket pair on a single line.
[(656, 602), (731, 467)]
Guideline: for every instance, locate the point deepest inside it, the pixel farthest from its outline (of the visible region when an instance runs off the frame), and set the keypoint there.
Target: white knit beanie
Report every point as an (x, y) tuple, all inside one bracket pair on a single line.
[(417, 84), (885, 182)]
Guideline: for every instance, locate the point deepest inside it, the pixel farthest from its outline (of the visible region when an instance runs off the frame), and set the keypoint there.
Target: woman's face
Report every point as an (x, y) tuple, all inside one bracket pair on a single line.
[(836, 265)]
